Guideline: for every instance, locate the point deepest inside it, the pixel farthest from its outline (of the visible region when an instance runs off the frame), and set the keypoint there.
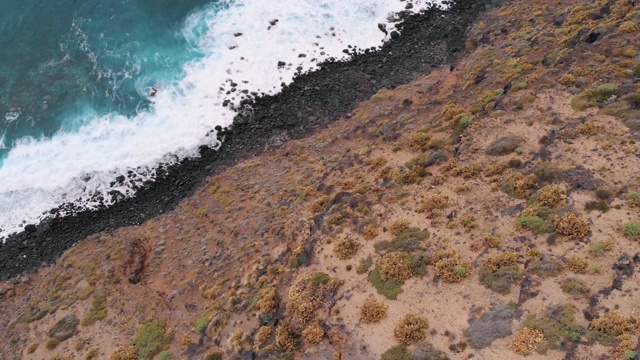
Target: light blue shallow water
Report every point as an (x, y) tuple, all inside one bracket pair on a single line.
[(59, 58)]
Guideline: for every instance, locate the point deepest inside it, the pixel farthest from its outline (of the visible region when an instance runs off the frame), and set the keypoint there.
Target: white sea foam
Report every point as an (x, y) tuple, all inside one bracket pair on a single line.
[(40, 174)]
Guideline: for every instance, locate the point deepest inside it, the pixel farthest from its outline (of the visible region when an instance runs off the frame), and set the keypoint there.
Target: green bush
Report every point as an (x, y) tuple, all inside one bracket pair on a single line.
[(632, 230), (389, 289), (151, 339), (593, 97)]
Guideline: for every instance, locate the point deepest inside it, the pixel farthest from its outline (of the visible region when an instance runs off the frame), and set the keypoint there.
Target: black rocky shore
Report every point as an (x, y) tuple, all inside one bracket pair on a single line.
[(314, 100)]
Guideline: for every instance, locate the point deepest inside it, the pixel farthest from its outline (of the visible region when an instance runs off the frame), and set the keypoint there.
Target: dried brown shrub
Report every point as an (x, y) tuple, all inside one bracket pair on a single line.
[(577, 264), (434, 202), (501, 260), (307, 293), (571, 225), (369, 232), (267, 301), (373, 311), (526, 340), (262, 336), (127, 352), (517, 184), (320, 204), (609, 326), (398, 226), (313, 333), (588, 129), (411, 328), (346, 249), (285, 338), (550, 195), (395, 265), (452, 270), (494, 168)]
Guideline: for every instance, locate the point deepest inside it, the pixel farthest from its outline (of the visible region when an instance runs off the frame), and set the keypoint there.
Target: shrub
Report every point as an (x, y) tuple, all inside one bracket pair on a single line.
[(62, 330), (263, 334), (398, 352), (364, 265), (632, 230), (611, 325), (151, 339), (127, 352), (534, 223), (313, 333), (450, 267), (395, 265), (518, 185), (597, 205), (503, 146), (571, 225), (307, 292), (398, 226), (550, 195), (320, 204), (411, 328), (285, 338), (558, 326), (575, 287), (389, 289), (598, 249), (434, 202), (426, 351), (634, 199), (98, 310), (594, 97), (547, 267), (373, 311), (346, 249), (501, 260), (407, 241), (267, 301), (588, 129), (526, 340), (577, 264), (500, 280), (495, 324)]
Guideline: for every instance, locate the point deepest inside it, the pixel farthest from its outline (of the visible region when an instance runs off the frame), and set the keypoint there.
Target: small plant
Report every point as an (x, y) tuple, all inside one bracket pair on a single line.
[(62, 330), (577, 264), (285, 338), (558, 326), (450, 267), (608, 327), (373, 311), (411, 328), (598, 249), (395, 265), (151, 339), (632, 230), (575, 287), (398, 226), (346, 249), (390, 288), (634, 199), (526, 340), (551, 196), (571, 225), (434, 202), (594, 97), (313, 334), (500, 271)]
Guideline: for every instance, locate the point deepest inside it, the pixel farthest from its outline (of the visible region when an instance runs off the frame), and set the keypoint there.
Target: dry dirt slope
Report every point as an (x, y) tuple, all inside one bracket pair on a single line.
[(488, 212)]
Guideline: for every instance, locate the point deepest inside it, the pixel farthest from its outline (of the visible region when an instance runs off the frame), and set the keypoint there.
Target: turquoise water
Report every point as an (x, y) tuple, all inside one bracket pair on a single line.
[(63, 59)]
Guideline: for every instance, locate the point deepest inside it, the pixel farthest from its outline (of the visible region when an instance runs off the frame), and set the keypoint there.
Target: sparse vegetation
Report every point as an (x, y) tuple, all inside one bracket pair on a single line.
[(450, 267), (500, 272), (503, 146), (610, 326), (558, 325), (574, 287), (526, 340), (594, 97), (98, 310), (62, 330), (346, 249), (390, 288)]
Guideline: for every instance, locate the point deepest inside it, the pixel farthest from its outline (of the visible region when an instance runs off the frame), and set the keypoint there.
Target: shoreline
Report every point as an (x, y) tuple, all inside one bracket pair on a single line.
[(429, 40)]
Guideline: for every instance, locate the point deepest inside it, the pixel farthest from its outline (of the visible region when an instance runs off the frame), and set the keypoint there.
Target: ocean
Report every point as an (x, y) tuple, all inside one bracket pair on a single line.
[(93, 91)]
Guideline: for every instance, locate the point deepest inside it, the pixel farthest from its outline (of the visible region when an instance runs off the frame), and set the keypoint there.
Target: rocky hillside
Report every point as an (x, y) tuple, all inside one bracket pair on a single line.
[(489, 210)]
